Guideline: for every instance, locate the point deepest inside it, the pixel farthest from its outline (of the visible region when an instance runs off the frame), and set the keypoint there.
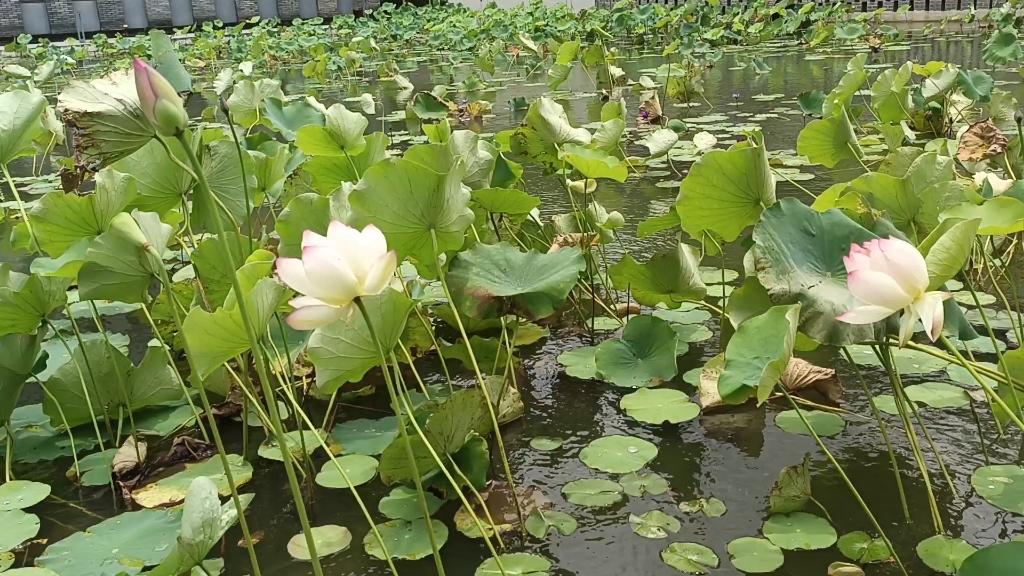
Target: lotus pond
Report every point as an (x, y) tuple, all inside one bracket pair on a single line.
[(738, 289)]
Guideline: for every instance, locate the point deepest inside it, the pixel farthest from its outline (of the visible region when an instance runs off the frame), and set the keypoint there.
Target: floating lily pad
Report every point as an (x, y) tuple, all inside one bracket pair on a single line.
[(683, 315), (654, 524), (618, 454), (823, 423), (690, 333), (690, 558), (660, 405), (944, 554), (515, 564), (540, 522), (965, 298), (799, 531), (593, 492), (19, 527), (711, 507), (94, 469), (545, 443), (365, 436), (405, 540), (123, 544), (19, 494), (171, 489), (327, 540), (1003, 558), (645, 355), (862, 548), (938, 395), (403, 503), (960, 374), (271, 451), (359, 469), (755, 555), (639, 483), (580, 363), (907, 361), (1002, 485)]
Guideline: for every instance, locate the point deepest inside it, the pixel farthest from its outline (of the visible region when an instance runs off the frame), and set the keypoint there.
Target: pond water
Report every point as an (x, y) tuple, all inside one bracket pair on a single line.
[(734, 456)]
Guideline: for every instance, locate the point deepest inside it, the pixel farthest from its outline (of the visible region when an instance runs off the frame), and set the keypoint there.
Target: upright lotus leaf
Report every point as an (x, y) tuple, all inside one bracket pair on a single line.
[(558, 74), (216, 337), (645, 355), (447, 429), (976, 85), (342, 353), (413, 205), (792, 491), (510, 201), (890, 94), (167, 62), (999, 216), (593, 163), (310, 211), (427, 106), (758, 354), (26, 300), (341, 135), (811, 102), (270, 165), (608, 134), (947, 249), (798, 257), (548, 119), (214, 270), (939, 83), (829, 140), (204, 521), (726, 191), (228, 180), (20, 123), (477, 156), (902, 198), (659, 142), (289, 118), (161, 183), (491, 280), (247, 98), (668, 278), (1002, 558), (62, 218), (1002, 47), (842, 95), (106, 369), (106, 121), (16, 366), (329, 172), (119, 264)]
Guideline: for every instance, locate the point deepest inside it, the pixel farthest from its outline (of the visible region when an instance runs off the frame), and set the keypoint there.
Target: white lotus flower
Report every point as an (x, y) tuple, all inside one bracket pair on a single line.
[(335, 270), (999, 185), (889, 275), (704, 141)]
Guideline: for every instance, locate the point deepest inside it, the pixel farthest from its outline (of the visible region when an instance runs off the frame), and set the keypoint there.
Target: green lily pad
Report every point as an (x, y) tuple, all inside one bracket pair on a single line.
[(359, 469), (668, 278), (823, 423), (545, 443), (6, 560), (540, 522), (689, 558), (580, 362), (691, 333), (515, 564), (592, 492), (654, 524), (755, 555), (618, 454), (645, 355), (944, 554), (327, 540), (660, 405), (19, 494), (938, 395), (799, 531), (862, 548), (685, 314), (270, 450), (403, 503), (712, 275), (171, 490), (405, 540), (127, 543), (639, 483), (94, 469), (829, 140), (1002, 485), (758, 354), (19, 527), (1003, 558), (711, 507), (365, 436)]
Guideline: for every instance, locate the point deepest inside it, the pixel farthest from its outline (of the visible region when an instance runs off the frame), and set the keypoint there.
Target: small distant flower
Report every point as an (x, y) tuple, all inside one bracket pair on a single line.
[(704, 141), (999, 185), (890, 275), (645, 114), (736, 96), (335, 270), (159, 101)]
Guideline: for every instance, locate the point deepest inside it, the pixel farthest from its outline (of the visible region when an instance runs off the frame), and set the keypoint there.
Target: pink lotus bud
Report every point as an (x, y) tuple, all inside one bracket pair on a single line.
[(160, 102)]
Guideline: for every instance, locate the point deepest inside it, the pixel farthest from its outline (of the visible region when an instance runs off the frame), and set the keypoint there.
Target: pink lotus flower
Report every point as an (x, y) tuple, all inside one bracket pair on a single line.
[(335, 270), (890, 275), (159, 100)]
